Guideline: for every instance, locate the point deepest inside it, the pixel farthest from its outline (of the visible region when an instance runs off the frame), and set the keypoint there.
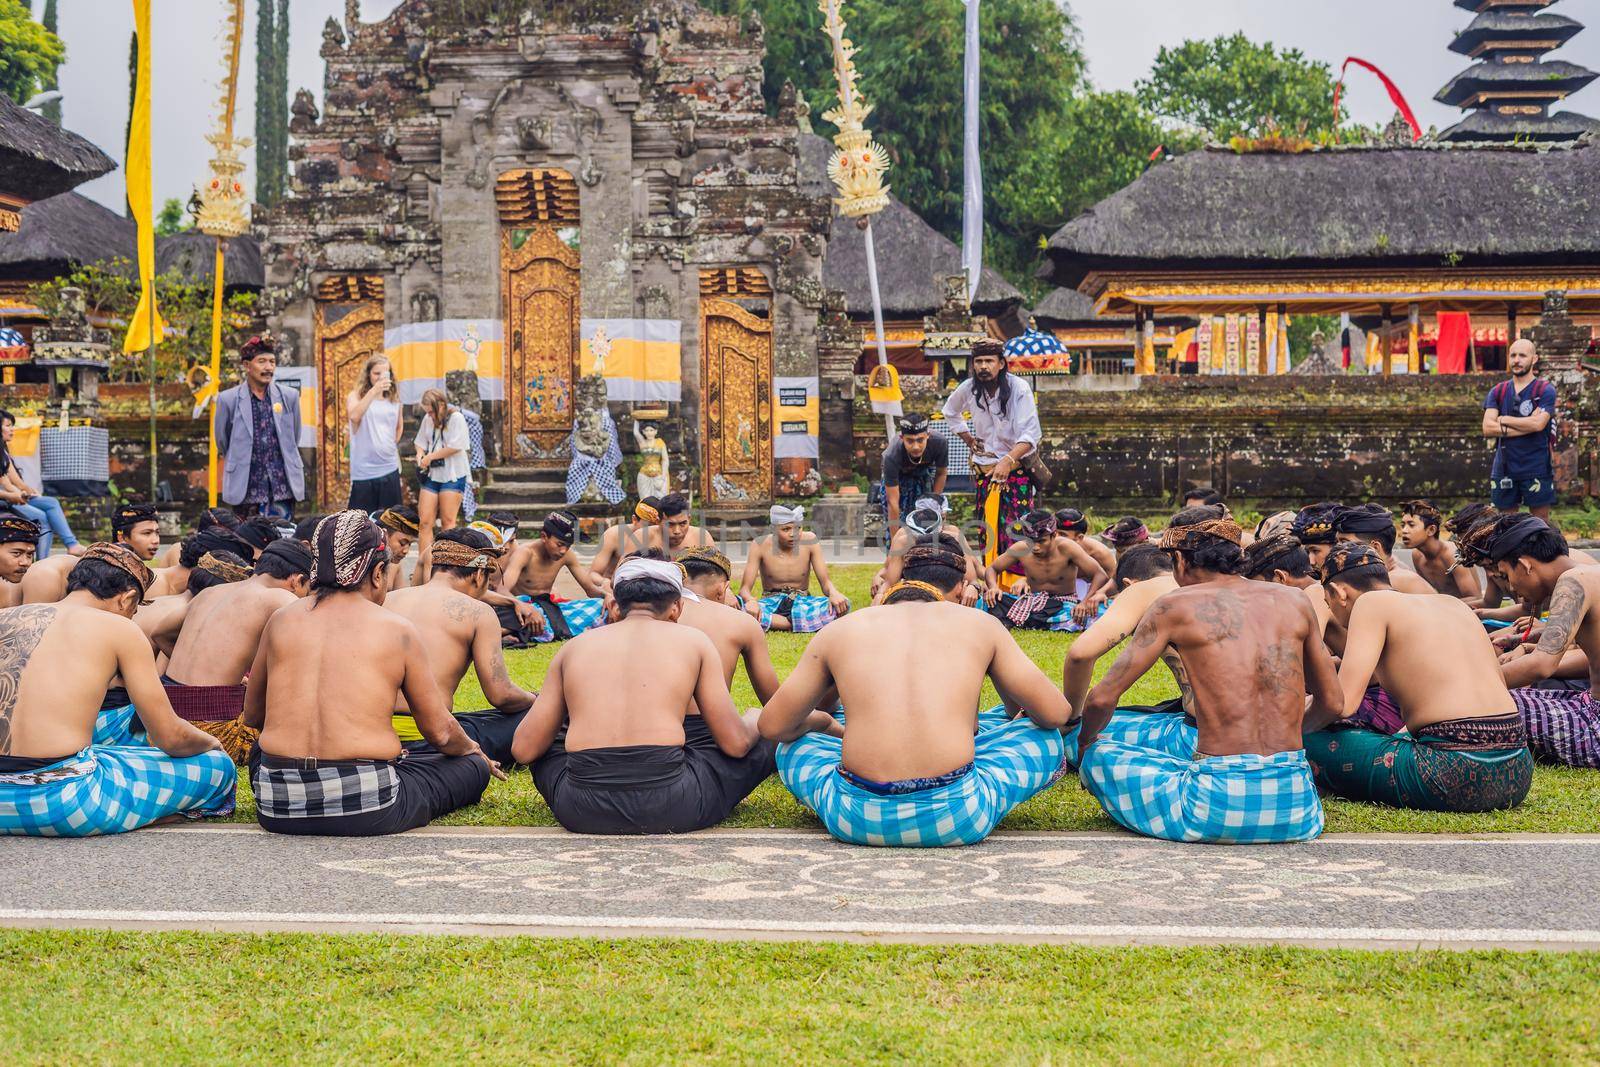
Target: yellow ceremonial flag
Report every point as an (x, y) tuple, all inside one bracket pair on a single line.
[(146, 328)]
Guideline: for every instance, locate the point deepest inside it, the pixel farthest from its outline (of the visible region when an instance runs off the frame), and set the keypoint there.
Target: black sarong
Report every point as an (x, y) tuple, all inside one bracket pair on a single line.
[(555, 622), (649, 789), (492, 730)]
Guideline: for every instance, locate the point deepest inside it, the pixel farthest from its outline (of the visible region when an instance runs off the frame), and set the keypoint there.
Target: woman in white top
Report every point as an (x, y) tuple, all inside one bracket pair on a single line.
[(443, 464), (373, 410)]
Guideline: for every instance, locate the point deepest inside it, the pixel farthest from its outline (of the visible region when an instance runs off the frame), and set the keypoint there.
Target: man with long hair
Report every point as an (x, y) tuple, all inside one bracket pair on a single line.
[(1003, 433)]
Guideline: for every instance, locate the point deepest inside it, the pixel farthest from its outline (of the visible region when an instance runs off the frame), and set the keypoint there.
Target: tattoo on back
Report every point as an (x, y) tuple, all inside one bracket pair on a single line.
[(19, 636), (455, 609), (1566, 614)]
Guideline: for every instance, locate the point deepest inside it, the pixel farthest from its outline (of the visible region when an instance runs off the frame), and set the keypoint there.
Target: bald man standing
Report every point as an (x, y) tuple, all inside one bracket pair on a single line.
[(1518, 414)]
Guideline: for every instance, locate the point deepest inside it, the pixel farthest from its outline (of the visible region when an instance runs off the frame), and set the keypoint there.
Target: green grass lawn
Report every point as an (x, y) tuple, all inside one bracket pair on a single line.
[(1562, 800), (193, 998)]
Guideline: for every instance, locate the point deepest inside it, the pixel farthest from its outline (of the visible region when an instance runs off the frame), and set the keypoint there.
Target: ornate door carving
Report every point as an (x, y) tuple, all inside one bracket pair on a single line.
[(736, 350), (346, 334), (539, 276)]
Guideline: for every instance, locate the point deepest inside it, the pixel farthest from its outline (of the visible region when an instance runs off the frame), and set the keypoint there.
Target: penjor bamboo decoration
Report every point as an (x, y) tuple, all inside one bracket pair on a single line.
[(223, 213), (857, 167)]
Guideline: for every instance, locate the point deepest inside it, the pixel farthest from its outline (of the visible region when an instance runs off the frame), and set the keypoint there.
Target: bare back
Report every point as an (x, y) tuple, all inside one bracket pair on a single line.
[(1242, 647), (46, 580), (632, 682), (910, 676), (1435, 658), (446, 622), (334, 673), (222, 630), (55, 663)]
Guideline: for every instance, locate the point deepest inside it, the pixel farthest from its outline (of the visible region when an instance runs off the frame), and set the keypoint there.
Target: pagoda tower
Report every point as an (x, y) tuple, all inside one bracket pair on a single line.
[(1509, 91)]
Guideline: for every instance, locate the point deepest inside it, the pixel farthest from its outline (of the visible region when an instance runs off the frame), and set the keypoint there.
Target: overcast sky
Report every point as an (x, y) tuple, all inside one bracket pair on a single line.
[(1407, 38)]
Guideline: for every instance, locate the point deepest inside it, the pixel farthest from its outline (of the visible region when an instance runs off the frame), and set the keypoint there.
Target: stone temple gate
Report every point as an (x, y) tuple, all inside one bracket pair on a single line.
[(550, 196)]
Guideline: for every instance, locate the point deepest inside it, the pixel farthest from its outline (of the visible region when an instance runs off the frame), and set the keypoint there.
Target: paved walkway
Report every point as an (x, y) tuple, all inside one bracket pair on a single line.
[(1396, 891)]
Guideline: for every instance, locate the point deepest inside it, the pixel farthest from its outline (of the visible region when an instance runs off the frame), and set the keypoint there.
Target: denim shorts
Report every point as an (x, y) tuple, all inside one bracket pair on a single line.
[(1508, 493), (455, 485)]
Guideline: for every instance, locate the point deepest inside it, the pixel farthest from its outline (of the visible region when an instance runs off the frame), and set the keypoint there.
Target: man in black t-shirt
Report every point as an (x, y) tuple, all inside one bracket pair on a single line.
[(914, 466)]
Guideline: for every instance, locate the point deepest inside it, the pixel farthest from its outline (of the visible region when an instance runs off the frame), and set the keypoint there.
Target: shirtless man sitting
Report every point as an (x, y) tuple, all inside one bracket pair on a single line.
[(608, 740), (1373, 525), (918, 765), (1464, 748), (326, 679), (735, 634), (457, 630), (1533, 560), (400, 525), (1126, 533), (531, 573), (19, 540), (680, 533), (1433, 557), (926, 519), (133, 524), (1052, 566), (219, 638), (624, 539), (1251, 651), (66, 768), (1313, 528), (174, 580), (784, 560), (1073, 525)]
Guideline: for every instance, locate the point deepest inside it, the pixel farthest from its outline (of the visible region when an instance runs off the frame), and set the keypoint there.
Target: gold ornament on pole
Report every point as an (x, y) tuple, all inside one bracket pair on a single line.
[(223, 213), (856, 170)]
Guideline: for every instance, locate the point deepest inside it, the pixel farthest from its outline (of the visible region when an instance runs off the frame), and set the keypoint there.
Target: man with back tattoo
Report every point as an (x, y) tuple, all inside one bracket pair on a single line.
[(69, 769), (1533, 561), (1251, 652)]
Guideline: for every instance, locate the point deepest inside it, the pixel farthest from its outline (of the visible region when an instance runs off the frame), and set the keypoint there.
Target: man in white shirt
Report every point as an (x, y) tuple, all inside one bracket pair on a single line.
[(1004, 431)]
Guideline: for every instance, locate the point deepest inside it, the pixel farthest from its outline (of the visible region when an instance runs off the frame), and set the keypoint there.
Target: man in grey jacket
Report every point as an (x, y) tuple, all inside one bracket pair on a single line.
[(258, 434)]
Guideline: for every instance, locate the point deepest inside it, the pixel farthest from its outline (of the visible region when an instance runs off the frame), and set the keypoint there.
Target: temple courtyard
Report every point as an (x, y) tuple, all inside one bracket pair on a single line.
[(503, 935)]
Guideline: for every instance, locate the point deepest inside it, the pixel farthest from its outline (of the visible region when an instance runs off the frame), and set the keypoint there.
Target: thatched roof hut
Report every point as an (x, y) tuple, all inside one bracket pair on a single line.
[(38, 159), (1424, 210), (912, 256), (61, 232), (195, 255)]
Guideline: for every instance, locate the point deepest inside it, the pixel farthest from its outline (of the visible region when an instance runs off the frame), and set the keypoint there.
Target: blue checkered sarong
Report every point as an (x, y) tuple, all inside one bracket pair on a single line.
[(1013, 760), (808, 614), (1236, 800), (581, 615), (113, 786)]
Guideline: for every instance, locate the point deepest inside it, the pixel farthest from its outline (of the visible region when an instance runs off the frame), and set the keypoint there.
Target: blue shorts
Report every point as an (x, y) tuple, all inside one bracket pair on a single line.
[(455, 485), (1508, 493)]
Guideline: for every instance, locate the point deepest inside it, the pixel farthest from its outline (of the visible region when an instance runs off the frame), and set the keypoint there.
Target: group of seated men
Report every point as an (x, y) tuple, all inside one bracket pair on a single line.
[(1307, 658)]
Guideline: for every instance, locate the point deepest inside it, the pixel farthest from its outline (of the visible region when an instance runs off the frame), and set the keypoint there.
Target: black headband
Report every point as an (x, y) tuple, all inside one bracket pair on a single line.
[(917, 423), (127, 516), (291, 550), (1350, 556), (1509, 538), (1364, 519), (14, 527)]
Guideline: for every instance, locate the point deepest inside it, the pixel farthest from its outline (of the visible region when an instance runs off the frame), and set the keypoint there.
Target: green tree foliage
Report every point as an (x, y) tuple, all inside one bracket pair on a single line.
[(170, 219), (51, 23), (111, 290), (29, 53), (272, 100), (1234, 87)]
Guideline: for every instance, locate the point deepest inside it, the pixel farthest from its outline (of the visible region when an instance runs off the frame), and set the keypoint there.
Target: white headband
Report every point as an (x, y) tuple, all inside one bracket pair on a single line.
[(659, 569), (932, 503), (782, 516)]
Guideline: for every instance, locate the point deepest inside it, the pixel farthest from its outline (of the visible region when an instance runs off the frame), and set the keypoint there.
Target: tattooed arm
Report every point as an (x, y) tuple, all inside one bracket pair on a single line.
[(489, 660), (1567, 609), (1149, 639)]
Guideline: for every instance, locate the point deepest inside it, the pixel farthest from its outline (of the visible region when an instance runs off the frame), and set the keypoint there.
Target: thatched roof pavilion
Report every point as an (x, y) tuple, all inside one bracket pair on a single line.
[(38, 159)]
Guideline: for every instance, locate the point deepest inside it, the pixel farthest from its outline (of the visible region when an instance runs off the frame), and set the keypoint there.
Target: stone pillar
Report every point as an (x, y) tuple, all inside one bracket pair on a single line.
[(1562, 344), (838, 347)]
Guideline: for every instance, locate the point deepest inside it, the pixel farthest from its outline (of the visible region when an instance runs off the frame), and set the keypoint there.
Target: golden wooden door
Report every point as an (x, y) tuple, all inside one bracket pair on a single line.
[(539, 276), (346, 335), (736, 353)]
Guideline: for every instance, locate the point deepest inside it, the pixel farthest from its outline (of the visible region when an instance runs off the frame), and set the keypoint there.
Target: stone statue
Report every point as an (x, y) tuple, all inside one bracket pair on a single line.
[(596, 454), (655, 467)]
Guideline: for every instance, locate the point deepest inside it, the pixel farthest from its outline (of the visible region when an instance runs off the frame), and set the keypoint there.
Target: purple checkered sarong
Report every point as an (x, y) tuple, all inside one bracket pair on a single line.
[(1563, 726)]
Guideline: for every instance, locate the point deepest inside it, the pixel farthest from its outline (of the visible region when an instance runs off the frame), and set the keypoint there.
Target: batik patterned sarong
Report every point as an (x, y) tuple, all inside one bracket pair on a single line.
[(114, 786), (807, 614), (1563, 727), (1464, 765), (1012, 761), (1236, 800), (1039, 611), (1011, 500), (581, 615)]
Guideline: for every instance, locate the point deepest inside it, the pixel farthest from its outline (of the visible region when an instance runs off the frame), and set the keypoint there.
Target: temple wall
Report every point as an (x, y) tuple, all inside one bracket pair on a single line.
[(1275, 440)]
